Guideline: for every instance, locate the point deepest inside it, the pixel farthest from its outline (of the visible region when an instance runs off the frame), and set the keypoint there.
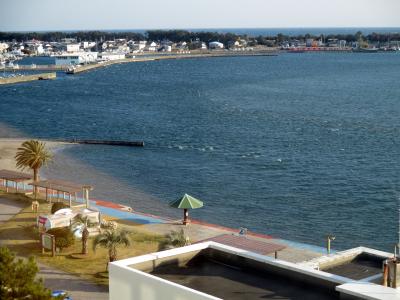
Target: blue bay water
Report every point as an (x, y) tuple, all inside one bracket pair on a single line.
[(297, 145)]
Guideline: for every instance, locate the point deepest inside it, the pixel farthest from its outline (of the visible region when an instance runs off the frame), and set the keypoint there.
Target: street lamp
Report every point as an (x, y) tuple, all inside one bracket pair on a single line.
[(329, 238)]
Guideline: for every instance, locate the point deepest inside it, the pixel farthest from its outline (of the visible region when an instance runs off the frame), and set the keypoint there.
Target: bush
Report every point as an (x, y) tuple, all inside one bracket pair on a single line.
[(109, 225), (174, 239), (64, 237), (57, 206)]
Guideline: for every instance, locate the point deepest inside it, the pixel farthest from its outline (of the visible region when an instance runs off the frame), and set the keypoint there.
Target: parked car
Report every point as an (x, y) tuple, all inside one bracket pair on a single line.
[(60, 294)]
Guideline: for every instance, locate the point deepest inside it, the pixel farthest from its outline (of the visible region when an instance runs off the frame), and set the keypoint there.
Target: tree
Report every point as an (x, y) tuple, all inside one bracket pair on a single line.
[(64, 237), (174, 239), (111, 239), (32, 154), (17, 278), (82, 223)]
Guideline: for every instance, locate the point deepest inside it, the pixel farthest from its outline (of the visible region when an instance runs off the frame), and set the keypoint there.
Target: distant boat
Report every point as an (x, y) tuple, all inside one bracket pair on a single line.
[(70, 70), (365, 50)]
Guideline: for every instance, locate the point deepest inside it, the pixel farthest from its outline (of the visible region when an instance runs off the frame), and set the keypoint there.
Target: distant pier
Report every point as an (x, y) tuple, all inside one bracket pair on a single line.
[(26, 78), (108, 142)]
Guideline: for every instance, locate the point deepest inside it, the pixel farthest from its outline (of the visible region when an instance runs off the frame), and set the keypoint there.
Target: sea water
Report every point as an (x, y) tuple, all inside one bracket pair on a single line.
[(296, 145)]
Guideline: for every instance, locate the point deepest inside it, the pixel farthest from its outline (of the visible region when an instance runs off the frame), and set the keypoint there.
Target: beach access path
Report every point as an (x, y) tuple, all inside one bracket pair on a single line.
[(77, 288)]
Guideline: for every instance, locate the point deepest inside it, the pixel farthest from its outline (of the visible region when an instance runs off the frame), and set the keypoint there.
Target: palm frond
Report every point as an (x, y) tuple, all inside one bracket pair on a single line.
[(112, 238), (32, 154), (80, 220)]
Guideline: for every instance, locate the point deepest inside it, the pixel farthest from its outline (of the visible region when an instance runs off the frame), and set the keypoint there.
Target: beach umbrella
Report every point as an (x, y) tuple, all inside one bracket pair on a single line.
[(185, 203)]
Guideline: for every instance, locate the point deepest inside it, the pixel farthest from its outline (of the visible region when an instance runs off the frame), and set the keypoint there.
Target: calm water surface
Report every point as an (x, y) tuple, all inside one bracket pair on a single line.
[(297, 146)]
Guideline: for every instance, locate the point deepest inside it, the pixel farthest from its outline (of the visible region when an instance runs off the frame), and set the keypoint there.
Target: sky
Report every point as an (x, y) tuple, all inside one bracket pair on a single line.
[(29, 15)]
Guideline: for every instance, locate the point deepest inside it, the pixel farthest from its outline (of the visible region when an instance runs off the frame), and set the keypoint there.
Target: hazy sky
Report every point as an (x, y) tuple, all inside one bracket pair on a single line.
[(26, 15)]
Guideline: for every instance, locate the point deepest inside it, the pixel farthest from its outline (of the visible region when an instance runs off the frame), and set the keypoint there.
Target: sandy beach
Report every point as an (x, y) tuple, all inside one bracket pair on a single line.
[(9, 146)]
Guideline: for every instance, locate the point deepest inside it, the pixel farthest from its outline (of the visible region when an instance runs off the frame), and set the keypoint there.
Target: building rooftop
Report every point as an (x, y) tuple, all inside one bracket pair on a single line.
[(211, 270), (216, 277)]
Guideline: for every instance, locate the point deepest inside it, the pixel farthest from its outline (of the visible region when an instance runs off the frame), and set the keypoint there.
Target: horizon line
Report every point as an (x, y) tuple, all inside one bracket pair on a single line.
[(199, 28)]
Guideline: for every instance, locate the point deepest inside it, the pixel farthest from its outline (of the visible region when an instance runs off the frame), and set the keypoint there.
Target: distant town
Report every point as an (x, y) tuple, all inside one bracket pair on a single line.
[(83, 47)]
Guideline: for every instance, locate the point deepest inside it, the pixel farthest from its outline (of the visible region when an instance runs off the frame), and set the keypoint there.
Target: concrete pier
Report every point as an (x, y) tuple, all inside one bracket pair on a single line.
[(26, 78)]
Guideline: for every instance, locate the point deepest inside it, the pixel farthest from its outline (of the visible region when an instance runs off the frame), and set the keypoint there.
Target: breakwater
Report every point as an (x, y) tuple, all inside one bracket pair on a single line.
[(108, 142), (26, 78)]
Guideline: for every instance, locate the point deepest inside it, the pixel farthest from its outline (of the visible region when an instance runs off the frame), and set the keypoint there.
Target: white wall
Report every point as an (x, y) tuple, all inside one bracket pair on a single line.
[(128, 284)]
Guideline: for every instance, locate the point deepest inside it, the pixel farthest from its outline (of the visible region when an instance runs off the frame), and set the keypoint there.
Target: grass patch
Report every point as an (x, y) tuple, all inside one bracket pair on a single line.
[(20, 235)]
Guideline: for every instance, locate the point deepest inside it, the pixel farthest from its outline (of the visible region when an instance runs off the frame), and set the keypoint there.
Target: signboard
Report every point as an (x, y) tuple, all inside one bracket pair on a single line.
[(48, 242), (42, 220)]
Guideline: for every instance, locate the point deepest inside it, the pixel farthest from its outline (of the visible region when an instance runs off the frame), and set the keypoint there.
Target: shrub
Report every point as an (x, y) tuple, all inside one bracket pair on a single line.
[(57, 206), (64, 237), (109, 225), (174, 239)]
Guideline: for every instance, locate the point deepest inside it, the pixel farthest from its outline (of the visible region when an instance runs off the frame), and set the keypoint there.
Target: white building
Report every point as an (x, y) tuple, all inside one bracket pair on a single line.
[(106, 56), (138, 46), (39, 49), (152, 47), (342, 43), (216, 45), (76, 58), (88, 45), (73, 48)]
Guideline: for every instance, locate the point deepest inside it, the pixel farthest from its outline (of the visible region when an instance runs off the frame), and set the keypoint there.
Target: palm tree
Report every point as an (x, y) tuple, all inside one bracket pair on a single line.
[(82, 223), (32, 154), (111, 239)]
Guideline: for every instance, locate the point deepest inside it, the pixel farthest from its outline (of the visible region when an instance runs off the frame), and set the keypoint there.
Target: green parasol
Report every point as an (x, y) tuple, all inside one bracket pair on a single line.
[(185, 203)]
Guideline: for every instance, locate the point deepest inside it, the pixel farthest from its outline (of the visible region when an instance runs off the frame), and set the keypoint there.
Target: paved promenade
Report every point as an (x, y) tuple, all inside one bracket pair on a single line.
[(9, 208), (78, 288)]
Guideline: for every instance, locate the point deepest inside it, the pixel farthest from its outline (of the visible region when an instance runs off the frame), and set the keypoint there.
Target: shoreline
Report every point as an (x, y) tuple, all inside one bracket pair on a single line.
[(158, 221), (8, 148)]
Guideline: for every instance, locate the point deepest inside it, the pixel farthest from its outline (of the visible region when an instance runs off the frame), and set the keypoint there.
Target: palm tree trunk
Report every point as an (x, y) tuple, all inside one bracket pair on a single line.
[(35, 178), (113, 254), (85, 236)]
